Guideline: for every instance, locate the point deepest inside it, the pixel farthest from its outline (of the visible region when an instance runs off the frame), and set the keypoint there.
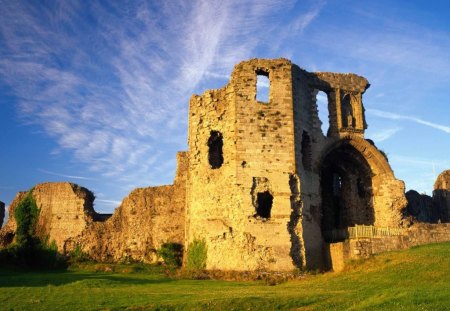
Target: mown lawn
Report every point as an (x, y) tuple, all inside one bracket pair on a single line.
[(415, 279)]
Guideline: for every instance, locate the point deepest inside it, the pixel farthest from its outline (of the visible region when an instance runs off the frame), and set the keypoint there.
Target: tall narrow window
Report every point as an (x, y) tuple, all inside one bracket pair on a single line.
[(306, 151), (262, 86), (215, 154), (322, 108), (347, 111)]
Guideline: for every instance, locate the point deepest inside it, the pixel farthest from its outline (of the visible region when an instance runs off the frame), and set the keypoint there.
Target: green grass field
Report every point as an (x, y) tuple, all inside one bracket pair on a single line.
[(415, 279)]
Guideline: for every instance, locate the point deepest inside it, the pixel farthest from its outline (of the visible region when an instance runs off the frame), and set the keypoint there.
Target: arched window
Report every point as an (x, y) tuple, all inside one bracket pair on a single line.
[(322, 108)]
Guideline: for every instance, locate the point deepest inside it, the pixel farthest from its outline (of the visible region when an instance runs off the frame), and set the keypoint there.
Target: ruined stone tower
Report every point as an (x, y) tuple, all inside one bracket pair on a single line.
[(261, 184), (266, 188)]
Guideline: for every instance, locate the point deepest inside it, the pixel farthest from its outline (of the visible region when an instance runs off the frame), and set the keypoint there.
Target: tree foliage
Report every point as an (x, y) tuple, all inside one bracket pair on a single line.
[(26, 214), (28, 250)]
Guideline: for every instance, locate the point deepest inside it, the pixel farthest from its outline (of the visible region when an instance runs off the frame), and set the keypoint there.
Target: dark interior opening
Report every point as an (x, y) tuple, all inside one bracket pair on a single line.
[(306, 151), (215, 154), (346, 190), (264, 200)]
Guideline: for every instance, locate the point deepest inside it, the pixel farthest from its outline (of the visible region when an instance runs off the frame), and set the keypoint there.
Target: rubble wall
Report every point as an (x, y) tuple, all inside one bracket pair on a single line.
[(65, 210), (147, 218)]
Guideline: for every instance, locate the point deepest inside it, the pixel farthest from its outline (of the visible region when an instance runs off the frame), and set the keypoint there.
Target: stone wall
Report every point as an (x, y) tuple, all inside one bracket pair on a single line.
[(258, 159), (435, 209), (422, 207), (418, 234), (147, 218), (65, 211), (261, 184), (277, 149)]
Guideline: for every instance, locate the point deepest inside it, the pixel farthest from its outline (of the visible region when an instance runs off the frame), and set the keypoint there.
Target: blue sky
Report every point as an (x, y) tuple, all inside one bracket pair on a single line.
[(96, 92)]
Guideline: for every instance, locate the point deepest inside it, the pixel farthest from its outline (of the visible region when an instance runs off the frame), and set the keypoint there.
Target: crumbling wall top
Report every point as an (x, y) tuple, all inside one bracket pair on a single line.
[(443, 181), (327, 81)]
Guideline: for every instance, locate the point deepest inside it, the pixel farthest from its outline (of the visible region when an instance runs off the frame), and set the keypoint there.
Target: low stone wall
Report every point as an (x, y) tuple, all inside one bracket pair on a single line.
[(418, 234)]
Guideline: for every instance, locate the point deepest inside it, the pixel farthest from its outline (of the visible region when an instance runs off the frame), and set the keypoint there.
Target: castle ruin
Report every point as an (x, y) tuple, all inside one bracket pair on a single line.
[(261, 184)]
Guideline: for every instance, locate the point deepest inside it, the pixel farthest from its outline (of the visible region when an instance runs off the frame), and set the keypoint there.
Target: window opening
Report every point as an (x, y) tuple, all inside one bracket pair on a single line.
[(215, 144), (337, 185), (306, 151), (264, 201), (262, 86), (322, 108), (347, 112)]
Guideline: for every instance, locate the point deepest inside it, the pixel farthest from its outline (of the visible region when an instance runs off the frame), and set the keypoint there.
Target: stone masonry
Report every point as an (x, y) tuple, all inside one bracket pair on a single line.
[(147, 218), (441, 195), (282, 186), (435, 209), (261, 184)]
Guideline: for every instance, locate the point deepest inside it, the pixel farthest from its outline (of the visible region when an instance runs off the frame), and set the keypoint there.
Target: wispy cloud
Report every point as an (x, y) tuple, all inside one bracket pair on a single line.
[(419, 173), (420, 162), (113, 88), (302, 21), (398, 45), (394, 116), (64, 175), (384, 134), (109, 202)]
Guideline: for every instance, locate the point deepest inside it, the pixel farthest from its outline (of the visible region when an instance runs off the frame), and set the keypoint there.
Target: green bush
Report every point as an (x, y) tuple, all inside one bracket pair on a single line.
[(196, 255), (172, 254)]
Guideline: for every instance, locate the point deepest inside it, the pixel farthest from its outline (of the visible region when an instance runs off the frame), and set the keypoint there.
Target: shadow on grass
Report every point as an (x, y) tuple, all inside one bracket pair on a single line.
[(86, 279)]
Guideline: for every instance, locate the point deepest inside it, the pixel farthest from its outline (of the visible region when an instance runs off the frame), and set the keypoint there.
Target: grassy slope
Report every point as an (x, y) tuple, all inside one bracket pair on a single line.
[(416, 279)]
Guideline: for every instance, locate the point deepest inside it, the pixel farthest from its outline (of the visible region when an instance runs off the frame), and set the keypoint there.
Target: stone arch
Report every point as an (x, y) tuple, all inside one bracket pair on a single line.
[(377, 161), (374, 185), (346, 191)]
